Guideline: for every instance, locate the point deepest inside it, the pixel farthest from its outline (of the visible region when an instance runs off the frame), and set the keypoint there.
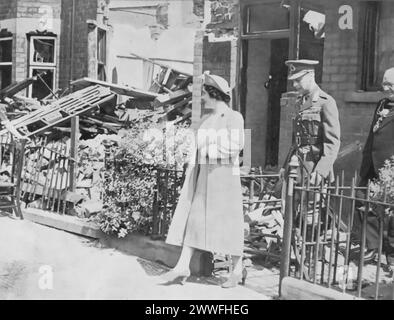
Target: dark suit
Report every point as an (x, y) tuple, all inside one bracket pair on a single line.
[(378, 148)]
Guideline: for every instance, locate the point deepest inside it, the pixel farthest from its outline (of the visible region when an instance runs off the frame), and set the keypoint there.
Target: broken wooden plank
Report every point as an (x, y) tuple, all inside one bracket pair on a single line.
[(163, 100), (122, 90), (80, 106)]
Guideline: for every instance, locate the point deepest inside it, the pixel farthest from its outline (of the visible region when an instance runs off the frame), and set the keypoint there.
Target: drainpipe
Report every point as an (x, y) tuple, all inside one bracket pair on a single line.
[(72, 41)]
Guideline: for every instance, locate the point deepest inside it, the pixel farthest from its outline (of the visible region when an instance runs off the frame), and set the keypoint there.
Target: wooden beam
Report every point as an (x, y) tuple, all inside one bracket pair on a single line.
[(159, 64), (272, 34), (74, 152)]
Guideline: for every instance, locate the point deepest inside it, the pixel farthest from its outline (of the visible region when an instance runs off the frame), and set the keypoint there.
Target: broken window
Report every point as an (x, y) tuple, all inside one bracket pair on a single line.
[(316, 22), (5, 62), (42, 64), (44, 85), (42, 50), (266, 17), (101, 54)]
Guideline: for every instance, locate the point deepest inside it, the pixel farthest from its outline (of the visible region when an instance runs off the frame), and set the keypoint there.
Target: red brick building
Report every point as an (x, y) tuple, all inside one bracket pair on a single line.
[(247, 42), (60, 40)]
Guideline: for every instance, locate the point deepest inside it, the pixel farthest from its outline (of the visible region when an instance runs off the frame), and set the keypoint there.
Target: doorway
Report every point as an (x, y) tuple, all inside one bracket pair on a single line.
[(264, 50), (265, 79), (273, 31)]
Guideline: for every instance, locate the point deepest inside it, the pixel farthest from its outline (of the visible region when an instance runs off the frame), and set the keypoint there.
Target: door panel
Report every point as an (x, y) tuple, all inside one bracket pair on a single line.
[(256, 102), (277, 86)]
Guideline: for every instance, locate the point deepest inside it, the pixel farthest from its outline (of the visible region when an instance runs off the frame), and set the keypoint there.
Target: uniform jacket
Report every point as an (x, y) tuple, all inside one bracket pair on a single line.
[(224, 194), (317, 118), (379, 145)]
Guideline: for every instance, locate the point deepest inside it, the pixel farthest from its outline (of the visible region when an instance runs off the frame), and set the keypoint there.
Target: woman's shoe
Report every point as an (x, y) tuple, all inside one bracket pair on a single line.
[(244, 275), (176, 277), (233, 281)]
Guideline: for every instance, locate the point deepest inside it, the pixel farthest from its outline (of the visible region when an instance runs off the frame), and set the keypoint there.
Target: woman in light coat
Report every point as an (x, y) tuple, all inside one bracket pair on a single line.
[(209, 213)]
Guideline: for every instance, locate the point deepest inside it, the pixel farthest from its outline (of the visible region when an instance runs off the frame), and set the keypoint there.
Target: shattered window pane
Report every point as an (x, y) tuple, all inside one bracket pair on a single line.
[(43, 50), (6, 51), (266, 17), (316, 22), (101, 72), (40, 87), (101, 46)]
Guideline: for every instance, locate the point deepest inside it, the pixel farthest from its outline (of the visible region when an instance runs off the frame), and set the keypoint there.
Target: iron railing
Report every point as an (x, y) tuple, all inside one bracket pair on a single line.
[(260, 191), (45, 175), (321, 243), (168, 185)]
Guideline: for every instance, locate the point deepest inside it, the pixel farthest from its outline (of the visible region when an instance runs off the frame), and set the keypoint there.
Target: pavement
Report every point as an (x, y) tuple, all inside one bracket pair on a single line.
[(39, 262)]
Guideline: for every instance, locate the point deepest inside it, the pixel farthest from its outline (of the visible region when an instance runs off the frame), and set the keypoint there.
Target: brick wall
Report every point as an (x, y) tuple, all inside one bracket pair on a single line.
[(386, 36), (84, 10), (22, 17), (213, 51), (342, 77), (217, 57), (7, 9)]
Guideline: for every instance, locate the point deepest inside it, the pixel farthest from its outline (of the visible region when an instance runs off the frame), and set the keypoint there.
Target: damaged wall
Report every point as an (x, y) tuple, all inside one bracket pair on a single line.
[(25, 16), (220, 31), (134, 32), (74, 61)]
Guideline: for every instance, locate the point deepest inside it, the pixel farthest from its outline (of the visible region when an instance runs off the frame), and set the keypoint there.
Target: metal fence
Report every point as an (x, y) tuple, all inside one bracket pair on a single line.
[(168, 184), (323, 244), (259, 192), (47, 175)]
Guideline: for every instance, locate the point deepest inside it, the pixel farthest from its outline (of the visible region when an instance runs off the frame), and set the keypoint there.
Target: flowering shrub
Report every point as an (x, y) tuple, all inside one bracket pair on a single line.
[(382, 189), (131, 175)]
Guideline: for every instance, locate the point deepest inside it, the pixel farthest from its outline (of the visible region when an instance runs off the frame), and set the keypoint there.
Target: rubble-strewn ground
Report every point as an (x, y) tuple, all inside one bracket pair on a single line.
[(84, 270)]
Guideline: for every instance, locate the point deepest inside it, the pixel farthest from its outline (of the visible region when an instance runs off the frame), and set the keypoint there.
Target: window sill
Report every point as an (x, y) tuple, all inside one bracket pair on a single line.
[(364, 96)]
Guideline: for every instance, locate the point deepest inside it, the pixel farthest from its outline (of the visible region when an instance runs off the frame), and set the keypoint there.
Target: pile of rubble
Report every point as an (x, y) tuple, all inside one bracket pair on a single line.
[(65, 176)]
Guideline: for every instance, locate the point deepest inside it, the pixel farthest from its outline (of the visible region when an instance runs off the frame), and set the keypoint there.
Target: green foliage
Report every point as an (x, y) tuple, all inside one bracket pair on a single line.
[(130, 178), (382, 189)]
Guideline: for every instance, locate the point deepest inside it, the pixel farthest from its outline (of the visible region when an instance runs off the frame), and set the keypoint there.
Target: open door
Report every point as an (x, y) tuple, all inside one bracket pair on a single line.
[(273, 31), (264, 50)]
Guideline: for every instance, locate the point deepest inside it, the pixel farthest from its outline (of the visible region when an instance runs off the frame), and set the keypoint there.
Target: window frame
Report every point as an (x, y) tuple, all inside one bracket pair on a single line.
[(100, 53), (370, 46), (247, 34), (7, 63), (31, 51), (31, 68), (41, 65)]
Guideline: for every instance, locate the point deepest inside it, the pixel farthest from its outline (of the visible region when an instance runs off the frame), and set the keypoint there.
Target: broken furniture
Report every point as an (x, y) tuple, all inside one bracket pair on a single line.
[(61, 110)]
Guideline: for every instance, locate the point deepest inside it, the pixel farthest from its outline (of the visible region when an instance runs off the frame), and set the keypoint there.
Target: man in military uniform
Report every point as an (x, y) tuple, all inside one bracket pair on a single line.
[(316, 140), (316, 132)]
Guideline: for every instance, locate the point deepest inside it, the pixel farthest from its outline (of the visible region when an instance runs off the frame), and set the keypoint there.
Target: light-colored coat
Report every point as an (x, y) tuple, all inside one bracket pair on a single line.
[(218, 189)]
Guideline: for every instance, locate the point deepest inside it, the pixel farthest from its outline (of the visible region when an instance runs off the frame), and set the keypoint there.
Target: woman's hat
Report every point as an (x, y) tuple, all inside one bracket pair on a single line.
[(217, 82)]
